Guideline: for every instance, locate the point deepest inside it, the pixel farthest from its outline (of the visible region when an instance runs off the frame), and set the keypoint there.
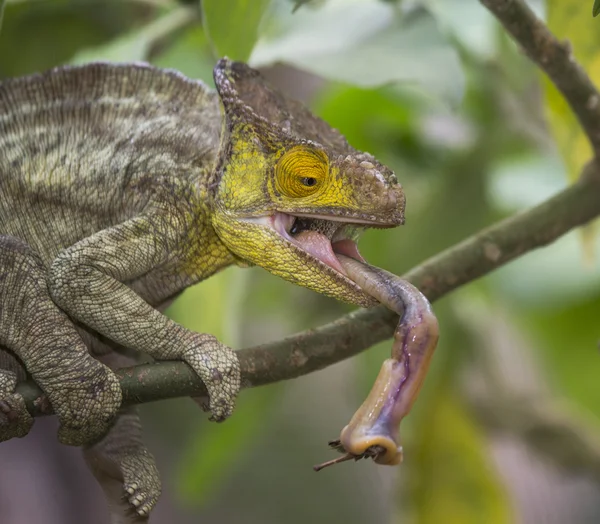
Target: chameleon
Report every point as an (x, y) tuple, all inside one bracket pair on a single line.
[(123, 184)]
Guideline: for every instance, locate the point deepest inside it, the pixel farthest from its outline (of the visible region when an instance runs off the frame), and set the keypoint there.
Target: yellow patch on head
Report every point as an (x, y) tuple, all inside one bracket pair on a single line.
[(301, 172)]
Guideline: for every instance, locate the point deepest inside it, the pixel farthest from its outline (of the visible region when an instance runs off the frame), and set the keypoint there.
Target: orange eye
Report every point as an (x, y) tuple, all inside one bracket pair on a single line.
[(301, 172)]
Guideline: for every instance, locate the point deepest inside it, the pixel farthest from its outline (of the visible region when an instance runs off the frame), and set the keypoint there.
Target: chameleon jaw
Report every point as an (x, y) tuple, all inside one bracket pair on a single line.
[(303, 255), (321, 246)]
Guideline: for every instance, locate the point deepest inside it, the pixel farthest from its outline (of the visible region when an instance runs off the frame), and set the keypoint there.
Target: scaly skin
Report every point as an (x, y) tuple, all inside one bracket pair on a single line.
[(120, 186)]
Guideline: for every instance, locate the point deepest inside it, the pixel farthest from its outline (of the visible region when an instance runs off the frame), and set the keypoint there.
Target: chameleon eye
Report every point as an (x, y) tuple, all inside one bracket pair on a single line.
[(301, 172)]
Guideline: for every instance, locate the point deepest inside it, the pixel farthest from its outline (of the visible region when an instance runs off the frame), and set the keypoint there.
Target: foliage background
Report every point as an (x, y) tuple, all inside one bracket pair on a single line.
[(436, 90)]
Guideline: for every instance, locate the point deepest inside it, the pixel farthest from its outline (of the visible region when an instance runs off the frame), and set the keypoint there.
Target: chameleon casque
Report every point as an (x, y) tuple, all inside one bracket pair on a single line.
[(123, 184)]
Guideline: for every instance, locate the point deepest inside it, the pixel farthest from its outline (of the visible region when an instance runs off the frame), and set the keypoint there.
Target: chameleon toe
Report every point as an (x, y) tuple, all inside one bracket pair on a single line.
[(219, 368)]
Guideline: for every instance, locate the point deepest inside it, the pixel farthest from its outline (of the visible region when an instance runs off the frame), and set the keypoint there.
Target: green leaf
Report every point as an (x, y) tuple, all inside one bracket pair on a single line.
[(2, 4), (232, 25), (190, 54), (365, 43), (205, 465), (136, 45), (568, 336), (452, 467), (596, 8), (215, 306), (40, 35)]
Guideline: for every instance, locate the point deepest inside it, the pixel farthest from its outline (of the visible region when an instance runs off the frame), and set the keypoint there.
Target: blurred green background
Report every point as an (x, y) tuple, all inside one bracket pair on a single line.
[(435, 89)]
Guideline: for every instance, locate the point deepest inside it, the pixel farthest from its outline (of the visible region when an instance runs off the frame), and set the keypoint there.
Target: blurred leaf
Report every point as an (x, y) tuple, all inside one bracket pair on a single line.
[(596, 9), (299, 3), (549, 278), (365, 43), (471, 25), (232, 25), (569, 338), (214, 453), (453, 477), (136, 45), (188, 53), (517, 183), (2, 4), (569, 19), (38, 35), (382, 122), (215, 306)]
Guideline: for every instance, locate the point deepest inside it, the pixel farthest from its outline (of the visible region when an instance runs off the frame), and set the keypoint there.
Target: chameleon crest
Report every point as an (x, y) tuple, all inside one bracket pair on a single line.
[(291, 191)]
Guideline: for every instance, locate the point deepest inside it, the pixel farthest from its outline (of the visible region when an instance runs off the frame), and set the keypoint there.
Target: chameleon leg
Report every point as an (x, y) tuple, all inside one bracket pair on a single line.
[(103, 263), (125, 470), (84, 393), (15, 420)]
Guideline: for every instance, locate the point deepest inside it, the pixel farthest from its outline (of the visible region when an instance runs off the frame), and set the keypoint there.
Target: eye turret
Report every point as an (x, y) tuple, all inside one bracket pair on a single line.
[(301, 172)]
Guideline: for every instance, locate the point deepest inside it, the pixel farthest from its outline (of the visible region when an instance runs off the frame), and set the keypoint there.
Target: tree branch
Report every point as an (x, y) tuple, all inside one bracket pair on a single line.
[(556, 59), (318, 348)]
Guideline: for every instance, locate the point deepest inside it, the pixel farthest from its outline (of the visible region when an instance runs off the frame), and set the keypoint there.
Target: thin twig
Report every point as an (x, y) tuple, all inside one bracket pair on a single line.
[(556, 59), (315, 349)]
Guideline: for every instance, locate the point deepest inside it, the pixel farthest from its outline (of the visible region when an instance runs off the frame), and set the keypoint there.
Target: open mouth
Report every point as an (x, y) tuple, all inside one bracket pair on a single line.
[(321, 238)]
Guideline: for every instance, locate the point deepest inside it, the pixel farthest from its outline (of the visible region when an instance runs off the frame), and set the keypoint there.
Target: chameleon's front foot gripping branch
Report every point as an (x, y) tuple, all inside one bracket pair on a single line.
[(373, 431)]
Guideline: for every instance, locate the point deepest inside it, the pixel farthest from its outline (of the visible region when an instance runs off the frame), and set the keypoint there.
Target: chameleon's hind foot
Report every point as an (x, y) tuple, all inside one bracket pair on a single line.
[(125, 470), (219, 368), (141, 482), (15, 420)]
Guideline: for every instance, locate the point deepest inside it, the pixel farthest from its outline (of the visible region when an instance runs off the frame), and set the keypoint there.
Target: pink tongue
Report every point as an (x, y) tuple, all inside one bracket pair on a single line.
[(349, 248), (320, 247)]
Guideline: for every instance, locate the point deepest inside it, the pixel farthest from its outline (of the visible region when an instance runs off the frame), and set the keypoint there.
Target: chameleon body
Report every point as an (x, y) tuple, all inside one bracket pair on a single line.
[(120, 186)]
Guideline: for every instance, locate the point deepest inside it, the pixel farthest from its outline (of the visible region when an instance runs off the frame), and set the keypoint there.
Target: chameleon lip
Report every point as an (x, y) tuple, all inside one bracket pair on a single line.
[(314, 243), (317, 244), (374, 223)]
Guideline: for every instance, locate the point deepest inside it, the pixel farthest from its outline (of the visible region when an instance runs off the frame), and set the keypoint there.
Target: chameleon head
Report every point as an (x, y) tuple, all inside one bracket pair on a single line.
[(291, 192)]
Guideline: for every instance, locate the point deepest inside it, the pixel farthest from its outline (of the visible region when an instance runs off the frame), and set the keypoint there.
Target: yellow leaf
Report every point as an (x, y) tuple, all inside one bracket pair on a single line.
[(570, 20), (452, 478)]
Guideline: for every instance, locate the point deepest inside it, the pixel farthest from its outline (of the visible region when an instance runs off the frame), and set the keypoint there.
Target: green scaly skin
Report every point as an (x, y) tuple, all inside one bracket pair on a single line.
[(120, 186)]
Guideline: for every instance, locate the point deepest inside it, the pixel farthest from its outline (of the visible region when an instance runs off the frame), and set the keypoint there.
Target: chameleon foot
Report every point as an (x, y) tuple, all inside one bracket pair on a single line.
[(125, 470), (219, 368), (15, 420), (141, 482)]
